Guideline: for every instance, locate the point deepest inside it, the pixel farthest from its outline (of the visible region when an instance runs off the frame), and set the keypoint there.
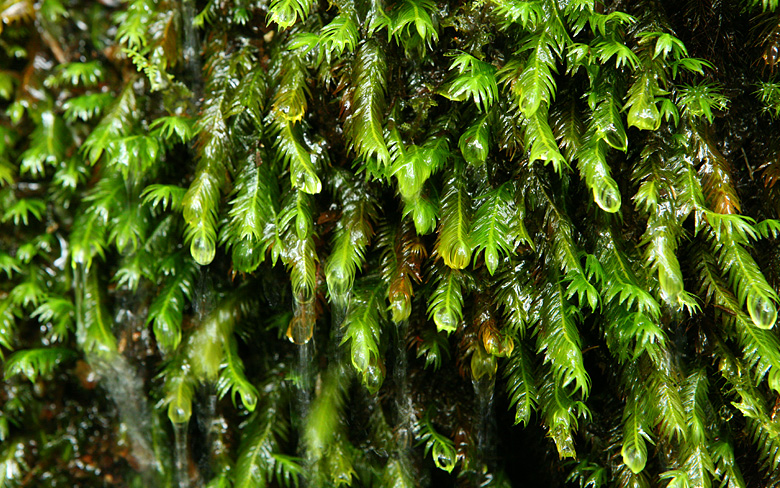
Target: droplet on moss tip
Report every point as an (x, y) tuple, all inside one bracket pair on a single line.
[(443, 457), (249, 399), (374, 375), (179, 412), (491, 260), (615, 139), (670, 283), (483, 364), (338, 284), (458, 257), (401, 308), (644, 115), (763, 311), (634, 459), (203, 250), (474, 150), (607, 196), (491, 342), (305, 181), (300, 331), (445, 320), (246, 257), (424, 216)]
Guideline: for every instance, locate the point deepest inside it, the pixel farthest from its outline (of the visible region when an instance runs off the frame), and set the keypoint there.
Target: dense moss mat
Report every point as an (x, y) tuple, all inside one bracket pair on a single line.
[(389, 243)]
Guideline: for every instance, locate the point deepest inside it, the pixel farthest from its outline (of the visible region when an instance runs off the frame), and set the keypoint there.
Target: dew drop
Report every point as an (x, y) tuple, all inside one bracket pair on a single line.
[(443, 457), (445, 320), (633, 458), (530, 104), (338, 284), (361, 359), (249, 400), (607, 196), (401, 308), (616, 139), (458, 257), (474, 150), (563, 441), (373, 376), (725, 413), (179, 411), (507, 346), (306, 181), (285, 18), (773, 378), (301, 226), (424, 215), (762, 311), (483, 364), (491, 260), (671, 283), (203, 250), (300, 330)]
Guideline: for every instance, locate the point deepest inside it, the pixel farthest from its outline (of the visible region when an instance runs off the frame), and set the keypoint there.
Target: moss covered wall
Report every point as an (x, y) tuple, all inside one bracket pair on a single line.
[(389, 243)]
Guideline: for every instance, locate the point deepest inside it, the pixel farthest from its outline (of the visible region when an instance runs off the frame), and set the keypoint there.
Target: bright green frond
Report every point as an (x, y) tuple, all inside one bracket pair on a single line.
[(456, 242), (233, 379), (474, 79), (521, 384), (287, 12), (497, 226), (363, 122), (33, 363), (446, 302), (362, 330)]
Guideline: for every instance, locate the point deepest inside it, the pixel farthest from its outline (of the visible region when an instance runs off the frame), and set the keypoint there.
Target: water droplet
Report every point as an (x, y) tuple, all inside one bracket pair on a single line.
[(773, 378), (564, 442), (671, 283), (634, 458), (483, 364), (445, 320), (424, 215), (181, 455), (300, 330), (458, 256), (474, 150), (401, 308), (203, 250), (530, 104), (374, 375), (616, 139), (249, 399), (285, 18), (444, 456), (179, 411), (607, 195), (762, 311), (491, 260), (339, 284), (361, 359)]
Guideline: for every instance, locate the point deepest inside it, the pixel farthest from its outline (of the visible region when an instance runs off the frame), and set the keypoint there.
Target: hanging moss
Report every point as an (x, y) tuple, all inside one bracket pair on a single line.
[(389, 243)]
